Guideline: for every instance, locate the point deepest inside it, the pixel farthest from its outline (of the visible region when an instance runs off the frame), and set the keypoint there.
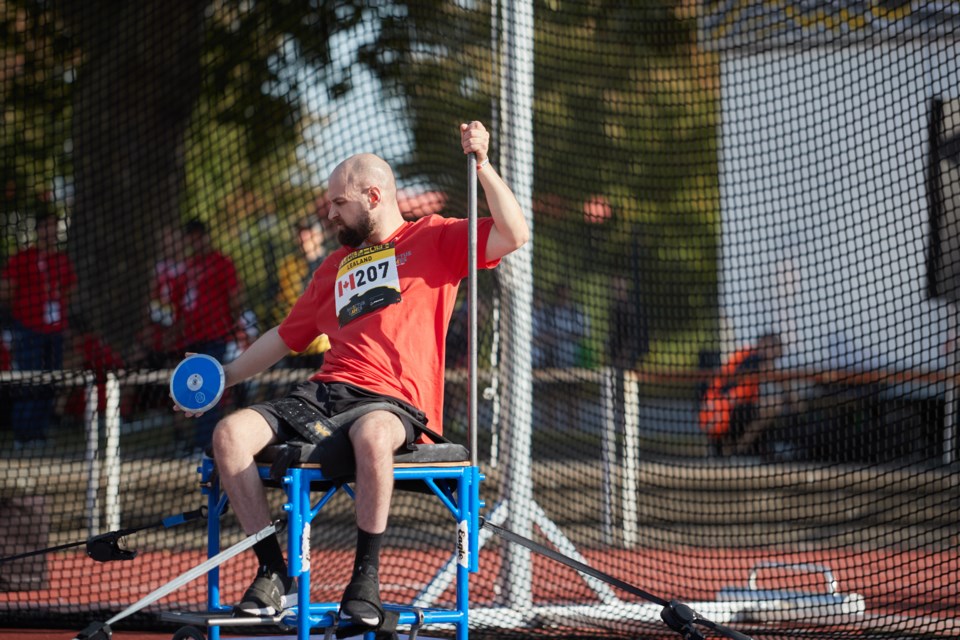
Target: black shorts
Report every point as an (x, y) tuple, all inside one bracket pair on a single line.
[(314, 410), (322, 414)]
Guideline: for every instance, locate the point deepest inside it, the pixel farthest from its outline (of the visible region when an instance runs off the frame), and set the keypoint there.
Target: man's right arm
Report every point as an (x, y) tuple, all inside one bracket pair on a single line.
[(265, 352)]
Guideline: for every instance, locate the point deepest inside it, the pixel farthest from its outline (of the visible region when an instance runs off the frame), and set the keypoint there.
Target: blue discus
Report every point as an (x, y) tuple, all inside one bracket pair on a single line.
[(197, 383)]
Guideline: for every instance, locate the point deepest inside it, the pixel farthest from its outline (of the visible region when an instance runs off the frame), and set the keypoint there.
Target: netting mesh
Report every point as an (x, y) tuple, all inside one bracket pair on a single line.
[(722, 370)]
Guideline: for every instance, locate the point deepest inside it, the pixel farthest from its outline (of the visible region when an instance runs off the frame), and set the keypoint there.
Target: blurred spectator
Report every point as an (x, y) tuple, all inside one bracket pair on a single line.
[(6, 364), (295, 272), (163, 327), (742, 401), (89, 351), (560, 330), (211, 309), (629, 334), (628, 341), (6, 359), (37, 283)]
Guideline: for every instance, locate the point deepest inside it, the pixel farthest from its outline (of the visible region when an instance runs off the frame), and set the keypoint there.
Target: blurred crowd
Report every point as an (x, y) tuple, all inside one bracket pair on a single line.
[(195, 305)]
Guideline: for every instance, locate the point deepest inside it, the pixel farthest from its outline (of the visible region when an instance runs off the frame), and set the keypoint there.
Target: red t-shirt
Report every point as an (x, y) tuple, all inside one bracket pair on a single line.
[(40, 282), (101, 358), (209, 284), (166, 296), (397, 349)]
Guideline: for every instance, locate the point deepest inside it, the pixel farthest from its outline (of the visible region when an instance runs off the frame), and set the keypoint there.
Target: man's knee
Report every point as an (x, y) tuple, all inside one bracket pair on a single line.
[(244, 432), (378, 432)]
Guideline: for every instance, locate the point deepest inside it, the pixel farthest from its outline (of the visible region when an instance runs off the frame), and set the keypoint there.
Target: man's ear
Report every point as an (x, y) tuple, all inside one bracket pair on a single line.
[(375, 196)]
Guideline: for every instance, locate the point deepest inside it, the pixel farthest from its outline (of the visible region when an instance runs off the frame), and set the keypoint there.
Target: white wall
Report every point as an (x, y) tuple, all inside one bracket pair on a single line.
[(824, 204)]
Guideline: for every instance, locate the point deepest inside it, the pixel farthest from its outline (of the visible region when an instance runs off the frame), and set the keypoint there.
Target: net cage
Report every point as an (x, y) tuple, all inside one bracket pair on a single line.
[(723, 369)]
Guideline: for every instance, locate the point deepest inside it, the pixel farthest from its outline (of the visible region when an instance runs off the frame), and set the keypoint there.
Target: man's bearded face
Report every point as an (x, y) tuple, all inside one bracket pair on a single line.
[(355, 235)]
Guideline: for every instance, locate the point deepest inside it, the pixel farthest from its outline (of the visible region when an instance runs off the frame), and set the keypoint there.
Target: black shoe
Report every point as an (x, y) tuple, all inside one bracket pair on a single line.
[(271, 593), (361, 600)]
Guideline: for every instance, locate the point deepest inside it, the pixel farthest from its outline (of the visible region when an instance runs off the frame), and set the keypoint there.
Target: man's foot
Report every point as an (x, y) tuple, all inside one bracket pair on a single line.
[(361, 600), (271, 593)]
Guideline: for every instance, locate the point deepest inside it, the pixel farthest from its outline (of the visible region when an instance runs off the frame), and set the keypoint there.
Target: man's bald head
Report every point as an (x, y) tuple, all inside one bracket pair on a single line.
[(365, 170), (363, 196)]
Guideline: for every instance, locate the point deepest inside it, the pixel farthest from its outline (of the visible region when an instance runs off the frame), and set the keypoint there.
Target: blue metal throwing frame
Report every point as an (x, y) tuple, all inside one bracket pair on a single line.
[(455, 484)]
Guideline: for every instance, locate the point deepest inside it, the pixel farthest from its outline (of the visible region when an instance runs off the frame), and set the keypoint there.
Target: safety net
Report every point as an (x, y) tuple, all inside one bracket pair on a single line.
[(722, 370)]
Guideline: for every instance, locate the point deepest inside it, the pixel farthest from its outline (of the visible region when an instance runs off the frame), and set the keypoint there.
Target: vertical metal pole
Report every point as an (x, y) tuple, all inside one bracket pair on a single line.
[(950, 395), (608, 450), (112, 452), (492, 392), (472, 399), (631, 458), (91, 419), (516, 166)]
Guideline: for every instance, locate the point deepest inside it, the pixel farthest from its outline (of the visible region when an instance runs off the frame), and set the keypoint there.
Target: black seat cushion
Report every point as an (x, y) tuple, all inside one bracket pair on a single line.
[(306, 453)]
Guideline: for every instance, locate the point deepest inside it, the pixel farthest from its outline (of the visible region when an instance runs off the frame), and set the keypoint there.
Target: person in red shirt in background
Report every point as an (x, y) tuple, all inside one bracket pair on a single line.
[(160, 340), (88, 351), (163, 326), (210, 305), (37, 283)]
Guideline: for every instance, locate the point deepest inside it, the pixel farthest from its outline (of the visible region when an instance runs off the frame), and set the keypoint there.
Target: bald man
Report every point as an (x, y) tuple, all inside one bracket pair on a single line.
[(385, 300)]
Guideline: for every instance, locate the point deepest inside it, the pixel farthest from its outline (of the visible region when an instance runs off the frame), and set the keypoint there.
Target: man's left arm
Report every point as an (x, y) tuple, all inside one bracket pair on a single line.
[(510, 230)]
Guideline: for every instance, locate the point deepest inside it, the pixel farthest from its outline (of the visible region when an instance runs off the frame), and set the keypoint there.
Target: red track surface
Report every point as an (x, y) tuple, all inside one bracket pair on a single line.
[(912, 583), (884, 578)]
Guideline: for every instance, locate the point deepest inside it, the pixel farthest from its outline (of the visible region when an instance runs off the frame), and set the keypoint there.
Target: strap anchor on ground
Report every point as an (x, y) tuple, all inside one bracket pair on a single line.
[(105, 547), (102, 631)]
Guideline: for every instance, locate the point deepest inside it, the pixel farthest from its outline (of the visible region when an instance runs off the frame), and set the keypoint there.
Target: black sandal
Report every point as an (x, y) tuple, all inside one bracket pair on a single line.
[(361, 604)]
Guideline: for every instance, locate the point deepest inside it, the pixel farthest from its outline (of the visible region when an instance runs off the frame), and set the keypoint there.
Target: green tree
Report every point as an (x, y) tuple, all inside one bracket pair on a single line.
[(37, 63)]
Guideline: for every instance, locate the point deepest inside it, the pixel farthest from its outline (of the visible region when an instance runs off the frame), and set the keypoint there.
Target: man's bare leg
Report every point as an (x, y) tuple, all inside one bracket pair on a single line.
[(375, 438), (236, 440)]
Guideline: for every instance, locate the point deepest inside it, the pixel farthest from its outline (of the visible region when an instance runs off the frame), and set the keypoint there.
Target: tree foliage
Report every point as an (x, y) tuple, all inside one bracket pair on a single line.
[(37, 65)]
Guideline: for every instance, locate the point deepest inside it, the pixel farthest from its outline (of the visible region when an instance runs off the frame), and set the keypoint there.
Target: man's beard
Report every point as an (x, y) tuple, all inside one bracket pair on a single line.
[(355, 236)]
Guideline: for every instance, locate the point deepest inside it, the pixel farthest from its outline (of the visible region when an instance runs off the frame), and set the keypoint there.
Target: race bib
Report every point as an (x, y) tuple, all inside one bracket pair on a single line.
[(366, 281)]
